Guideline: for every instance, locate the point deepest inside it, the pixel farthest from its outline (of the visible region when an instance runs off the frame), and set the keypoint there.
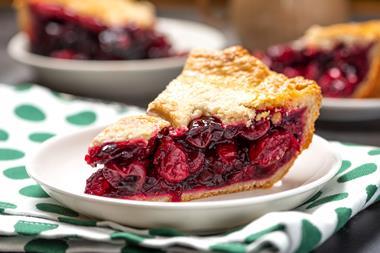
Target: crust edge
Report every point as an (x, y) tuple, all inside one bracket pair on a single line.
[(370, 87)]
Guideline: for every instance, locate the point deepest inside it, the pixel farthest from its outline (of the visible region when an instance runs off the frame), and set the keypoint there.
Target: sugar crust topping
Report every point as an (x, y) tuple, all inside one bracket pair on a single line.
[(230, 84), (349, 33)]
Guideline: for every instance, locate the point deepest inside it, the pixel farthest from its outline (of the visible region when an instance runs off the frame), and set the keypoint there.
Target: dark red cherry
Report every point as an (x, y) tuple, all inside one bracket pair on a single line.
[(114, 177), (334, 73), (204, 130), (114, 38), (294, 122), (282, 53), (244, 174), (205, 178), (311, 52), (271, 149), (256, 130), (121, 150), (171, 161), (291, 72), (130, 178), (196, 160), (232, 131), (227, 152), (64, 54), (135, 176), (97, 184), (312, 71)]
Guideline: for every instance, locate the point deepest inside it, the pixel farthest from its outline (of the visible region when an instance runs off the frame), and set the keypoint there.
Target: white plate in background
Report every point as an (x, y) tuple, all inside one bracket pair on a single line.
[(119, 80), (60, 168), (350, 109)]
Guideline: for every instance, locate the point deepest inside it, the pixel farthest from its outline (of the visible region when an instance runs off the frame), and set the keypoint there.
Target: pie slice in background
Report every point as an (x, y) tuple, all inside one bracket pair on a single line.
[(344, 59), (92, 29)]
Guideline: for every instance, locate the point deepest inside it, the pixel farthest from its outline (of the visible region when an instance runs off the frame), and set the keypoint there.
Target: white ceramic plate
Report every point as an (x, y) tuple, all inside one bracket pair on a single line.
[(61, 170), (335, 109), (119, 80)]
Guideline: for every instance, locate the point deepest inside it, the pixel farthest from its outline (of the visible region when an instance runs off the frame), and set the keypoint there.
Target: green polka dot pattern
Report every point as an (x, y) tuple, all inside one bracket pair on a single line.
[(5, 205), (311, 236), (165, 232), (374, 151), (255, 236), (358, 172), (10, 154), (46, 246), (129, 237), (30, 113), (32, 228), (314, 197), (57, 209), (343, 215), (3, 135), (229, 247), (40, 137), (16, 173), (34, 222), (82, 118), (370, 190), (80, 222), (327, 199), (23, 87), (34, 191), (345, 165)]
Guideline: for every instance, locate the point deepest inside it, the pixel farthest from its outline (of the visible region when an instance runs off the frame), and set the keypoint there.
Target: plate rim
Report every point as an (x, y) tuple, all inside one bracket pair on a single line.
[(351, 103), (32, 163), (16, 48)]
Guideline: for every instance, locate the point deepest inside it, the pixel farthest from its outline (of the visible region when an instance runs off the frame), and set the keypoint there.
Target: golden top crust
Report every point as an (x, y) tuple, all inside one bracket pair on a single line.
[(361, 32), (231, 85), (131, 127), (109, 12)]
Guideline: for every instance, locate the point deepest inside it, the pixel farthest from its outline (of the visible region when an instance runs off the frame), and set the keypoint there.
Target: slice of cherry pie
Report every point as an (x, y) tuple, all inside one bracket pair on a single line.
[(344, 59), (92, 29), (226, 124)]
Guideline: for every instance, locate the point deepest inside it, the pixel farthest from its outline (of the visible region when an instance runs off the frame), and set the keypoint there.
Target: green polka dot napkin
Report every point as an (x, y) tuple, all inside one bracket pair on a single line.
[(31, 221)]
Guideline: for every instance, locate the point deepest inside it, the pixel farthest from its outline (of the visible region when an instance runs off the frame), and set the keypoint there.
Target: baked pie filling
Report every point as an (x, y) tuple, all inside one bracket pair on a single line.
[(207, 154), (226, 124), (338, 70), (59, 32)]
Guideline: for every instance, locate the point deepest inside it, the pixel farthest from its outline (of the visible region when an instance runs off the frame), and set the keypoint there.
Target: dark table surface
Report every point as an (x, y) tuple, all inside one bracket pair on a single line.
[(360, 235)]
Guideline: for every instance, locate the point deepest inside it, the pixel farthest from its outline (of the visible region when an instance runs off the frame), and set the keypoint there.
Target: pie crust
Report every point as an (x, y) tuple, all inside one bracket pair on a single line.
[(232, 86)]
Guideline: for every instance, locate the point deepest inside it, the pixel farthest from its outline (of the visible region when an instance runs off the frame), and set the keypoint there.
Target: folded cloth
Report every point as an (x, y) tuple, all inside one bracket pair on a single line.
[(31, 221)]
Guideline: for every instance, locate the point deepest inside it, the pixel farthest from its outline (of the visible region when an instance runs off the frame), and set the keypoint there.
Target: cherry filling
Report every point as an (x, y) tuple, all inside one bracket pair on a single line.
[(57, 32), (338, 71), (207, 155)]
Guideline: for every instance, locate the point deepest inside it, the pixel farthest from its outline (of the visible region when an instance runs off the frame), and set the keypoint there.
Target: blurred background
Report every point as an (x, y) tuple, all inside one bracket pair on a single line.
[(254, 23)]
